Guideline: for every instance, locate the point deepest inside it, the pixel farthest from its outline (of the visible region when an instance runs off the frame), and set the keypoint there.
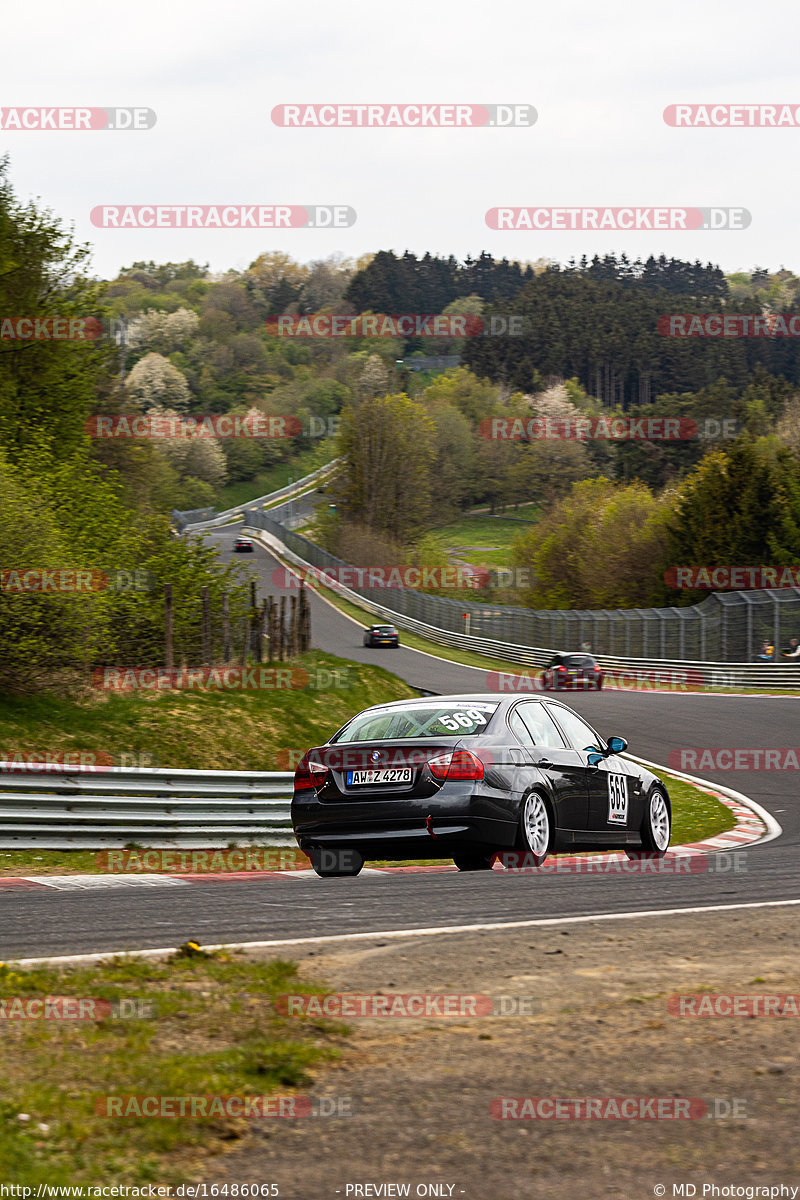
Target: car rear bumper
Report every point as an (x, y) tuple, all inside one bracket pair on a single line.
[(428, 827)]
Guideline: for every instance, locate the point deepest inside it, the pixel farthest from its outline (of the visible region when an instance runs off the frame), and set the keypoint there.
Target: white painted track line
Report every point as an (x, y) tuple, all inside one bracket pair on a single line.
[(381, 934)]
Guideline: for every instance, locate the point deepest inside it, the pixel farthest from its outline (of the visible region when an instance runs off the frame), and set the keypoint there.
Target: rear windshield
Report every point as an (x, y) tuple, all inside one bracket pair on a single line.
[(579, 660), (419, 721), (383, 629)]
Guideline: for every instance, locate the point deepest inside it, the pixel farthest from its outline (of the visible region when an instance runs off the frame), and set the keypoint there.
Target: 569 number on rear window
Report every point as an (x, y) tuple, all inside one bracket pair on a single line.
[(469, 719)]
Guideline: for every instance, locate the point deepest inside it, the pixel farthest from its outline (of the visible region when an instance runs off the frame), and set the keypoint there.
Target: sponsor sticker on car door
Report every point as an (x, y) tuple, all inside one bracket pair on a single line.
[(617, 799)]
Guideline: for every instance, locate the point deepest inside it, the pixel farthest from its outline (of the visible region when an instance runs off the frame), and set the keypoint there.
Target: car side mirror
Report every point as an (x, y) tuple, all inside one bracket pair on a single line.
[(617, 745), (595, 757)]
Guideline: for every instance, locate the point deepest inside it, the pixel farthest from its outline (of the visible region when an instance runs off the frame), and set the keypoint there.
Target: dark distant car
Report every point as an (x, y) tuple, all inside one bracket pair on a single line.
[(243, 545), (381, 635), (572, 672), (470, 778)]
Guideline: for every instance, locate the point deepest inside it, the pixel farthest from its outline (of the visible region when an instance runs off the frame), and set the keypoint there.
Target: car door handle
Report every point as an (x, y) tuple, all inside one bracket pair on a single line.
[(543, 762)]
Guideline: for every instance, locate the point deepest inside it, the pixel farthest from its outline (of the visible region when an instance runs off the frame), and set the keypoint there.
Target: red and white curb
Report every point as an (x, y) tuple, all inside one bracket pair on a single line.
[(753, 824)]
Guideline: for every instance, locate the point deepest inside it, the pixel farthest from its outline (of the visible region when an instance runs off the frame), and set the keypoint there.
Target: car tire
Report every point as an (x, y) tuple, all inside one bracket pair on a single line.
[(535, 834), (332, 864), (473, 860), (657, 824), (599, 685)]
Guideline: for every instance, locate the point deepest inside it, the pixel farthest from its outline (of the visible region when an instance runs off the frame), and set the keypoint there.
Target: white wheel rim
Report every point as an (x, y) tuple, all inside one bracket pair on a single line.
[(659, 820), (536, 824)]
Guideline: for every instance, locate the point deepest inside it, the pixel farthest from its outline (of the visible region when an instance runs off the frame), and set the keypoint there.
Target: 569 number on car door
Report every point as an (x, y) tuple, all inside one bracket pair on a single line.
[(617, 799)]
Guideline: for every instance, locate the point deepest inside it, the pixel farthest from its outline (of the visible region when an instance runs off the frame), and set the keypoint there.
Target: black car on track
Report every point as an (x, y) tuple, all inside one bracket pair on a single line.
[(467, 777), (243, 545), (575, 672), (381, 635)]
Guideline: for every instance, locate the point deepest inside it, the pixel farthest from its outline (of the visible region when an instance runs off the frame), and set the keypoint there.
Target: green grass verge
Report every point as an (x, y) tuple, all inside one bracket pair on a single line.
[(695, 815), (482, 531), (213, 1031), (415, 642), (214, 730), (273, 478)]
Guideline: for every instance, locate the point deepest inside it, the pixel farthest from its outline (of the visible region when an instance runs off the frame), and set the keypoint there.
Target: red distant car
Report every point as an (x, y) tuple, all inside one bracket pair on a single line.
[(572, 672)]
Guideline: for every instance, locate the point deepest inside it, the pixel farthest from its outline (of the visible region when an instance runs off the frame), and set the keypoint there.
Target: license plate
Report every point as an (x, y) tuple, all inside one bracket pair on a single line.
[(379, 775)]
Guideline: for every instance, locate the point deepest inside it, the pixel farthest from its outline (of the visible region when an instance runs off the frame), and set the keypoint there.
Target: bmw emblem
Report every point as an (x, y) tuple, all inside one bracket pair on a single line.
[(376, 756)]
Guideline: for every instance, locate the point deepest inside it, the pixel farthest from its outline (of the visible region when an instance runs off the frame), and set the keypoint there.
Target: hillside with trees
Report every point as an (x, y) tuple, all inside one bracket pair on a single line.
[(417, 446)]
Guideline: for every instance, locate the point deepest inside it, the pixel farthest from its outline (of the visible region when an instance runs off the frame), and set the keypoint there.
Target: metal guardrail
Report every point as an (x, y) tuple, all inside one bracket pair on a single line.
[(711, 638), (677, 674), (222, 518), (98, 808)]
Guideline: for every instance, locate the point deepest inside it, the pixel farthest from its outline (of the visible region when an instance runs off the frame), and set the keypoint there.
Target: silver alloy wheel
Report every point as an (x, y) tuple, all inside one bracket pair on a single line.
[(659, 820), (536, 824)]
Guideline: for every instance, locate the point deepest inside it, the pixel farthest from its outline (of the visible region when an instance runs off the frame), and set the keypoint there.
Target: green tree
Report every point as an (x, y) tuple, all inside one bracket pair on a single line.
[(47, 385), (602, 546), (740, 507), (453, 481), (388, 447)]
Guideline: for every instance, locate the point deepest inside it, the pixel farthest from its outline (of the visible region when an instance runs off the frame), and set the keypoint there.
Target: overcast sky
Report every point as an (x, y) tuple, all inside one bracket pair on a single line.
[(598, 72)]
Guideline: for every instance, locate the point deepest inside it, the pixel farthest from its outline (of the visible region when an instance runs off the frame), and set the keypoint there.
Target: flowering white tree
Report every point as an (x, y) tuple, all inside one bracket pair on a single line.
[(155, 383), (162, 332), (547, 467), (198, 457), (373, 379)]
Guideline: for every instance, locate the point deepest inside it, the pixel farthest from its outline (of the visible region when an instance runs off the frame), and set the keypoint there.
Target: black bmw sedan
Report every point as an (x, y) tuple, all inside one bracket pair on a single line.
[(579, 672), (381, 635), (467, 777)]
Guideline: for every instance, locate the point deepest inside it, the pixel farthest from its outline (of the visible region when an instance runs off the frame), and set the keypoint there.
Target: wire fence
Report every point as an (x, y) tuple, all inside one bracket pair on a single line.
[(726, 627)]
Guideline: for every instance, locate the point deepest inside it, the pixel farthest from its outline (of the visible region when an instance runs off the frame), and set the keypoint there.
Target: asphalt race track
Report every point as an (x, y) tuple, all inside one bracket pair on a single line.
[(39, 923)]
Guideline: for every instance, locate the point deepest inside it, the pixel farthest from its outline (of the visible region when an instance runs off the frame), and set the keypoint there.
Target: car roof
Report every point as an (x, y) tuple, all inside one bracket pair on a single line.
[(460, 697)]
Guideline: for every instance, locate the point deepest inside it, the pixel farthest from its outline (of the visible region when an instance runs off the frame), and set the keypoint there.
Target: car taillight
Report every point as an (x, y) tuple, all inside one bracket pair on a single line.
[(458, 764), (561, 668), (309, 774)]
